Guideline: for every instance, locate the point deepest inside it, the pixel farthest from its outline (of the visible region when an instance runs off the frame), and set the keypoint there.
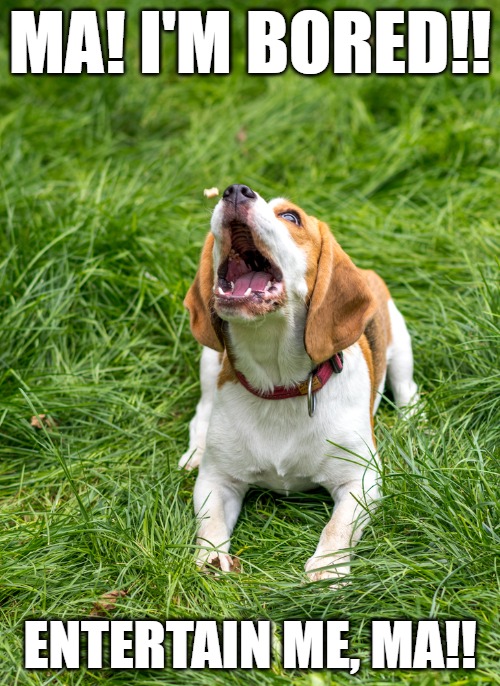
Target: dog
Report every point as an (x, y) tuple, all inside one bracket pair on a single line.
[(298, 342)]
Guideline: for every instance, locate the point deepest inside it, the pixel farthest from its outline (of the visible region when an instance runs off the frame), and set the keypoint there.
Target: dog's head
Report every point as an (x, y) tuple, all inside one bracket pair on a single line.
[(262, 258)]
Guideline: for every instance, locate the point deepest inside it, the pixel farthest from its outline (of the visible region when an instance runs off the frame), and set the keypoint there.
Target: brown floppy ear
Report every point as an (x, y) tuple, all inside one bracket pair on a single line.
[(205, 324), (341, 303)]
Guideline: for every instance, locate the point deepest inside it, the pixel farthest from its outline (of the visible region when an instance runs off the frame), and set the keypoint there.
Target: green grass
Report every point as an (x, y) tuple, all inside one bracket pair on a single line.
[(102, 220)]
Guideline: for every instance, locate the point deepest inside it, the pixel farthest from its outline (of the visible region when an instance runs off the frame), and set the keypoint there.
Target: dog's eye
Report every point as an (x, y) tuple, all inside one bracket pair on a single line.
[(291, 217)]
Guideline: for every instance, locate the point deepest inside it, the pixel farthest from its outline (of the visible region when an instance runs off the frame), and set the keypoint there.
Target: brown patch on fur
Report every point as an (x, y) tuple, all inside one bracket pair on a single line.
[(378, 329), (205, 324), (341, 302), (227, 373), (340, 298), (367, 354), (307, 237)]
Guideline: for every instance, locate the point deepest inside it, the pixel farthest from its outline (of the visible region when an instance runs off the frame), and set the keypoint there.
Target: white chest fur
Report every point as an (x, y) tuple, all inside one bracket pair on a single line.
[(275, 444)]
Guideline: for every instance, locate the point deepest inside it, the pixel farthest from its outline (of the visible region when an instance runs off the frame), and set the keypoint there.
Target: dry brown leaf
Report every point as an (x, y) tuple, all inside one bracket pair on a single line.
[(106, 602), (242, 135), (43, 420), (235, 565)]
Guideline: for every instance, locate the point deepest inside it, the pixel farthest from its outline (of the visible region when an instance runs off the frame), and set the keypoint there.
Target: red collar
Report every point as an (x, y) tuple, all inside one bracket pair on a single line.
[(319, 378)]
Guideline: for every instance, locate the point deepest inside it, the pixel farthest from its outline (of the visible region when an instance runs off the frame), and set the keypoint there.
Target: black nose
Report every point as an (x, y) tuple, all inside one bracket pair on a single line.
[(238, 193)]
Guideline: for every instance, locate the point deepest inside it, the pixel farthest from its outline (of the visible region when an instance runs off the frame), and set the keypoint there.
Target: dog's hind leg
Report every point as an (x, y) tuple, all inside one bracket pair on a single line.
[(400, 363), (210, 365)]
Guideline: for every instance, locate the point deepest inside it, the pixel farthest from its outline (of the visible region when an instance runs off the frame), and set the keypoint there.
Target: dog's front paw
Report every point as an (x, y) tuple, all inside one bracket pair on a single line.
[(334, 567), (191, 459), (213, 560)]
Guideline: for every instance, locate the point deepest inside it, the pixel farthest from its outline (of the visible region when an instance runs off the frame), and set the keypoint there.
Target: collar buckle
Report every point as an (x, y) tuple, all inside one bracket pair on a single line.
[(311, 397)]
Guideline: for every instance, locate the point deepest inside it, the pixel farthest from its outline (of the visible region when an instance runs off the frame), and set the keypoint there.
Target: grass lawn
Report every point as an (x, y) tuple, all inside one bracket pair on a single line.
[(102, 220)]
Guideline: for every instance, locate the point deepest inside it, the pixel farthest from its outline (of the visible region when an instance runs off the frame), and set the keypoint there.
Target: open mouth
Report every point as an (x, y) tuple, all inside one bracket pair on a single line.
[(246, 274)]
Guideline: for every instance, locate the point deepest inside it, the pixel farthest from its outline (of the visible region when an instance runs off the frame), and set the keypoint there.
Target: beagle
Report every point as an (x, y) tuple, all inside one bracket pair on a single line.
[(297, 345)]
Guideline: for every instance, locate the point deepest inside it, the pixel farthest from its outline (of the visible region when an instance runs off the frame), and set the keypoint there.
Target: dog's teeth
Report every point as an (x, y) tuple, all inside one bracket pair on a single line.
[(221, 291), (268, 286), (232, 285), (248, 291)]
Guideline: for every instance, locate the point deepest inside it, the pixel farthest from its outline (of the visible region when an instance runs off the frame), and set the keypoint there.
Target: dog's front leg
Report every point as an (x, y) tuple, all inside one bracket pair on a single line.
[(350, 515), (217, 504), (210, 363)]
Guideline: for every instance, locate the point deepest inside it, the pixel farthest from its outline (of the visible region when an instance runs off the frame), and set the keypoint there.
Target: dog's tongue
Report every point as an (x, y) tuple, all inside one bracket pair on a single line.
[(257, 281)]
